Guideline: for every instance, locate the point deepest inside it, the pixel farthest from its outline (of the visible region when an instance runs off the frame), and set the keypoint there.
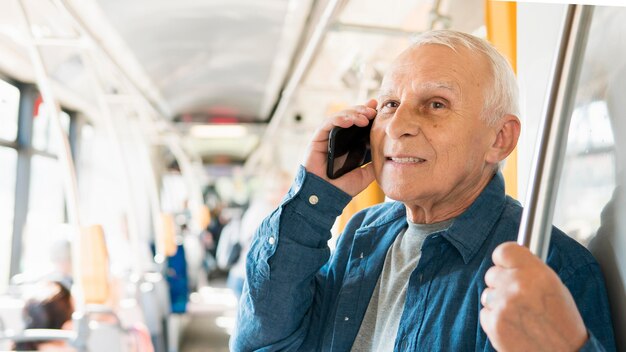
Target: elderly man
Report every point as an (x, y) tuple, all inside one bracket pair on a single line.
[(430, 270)]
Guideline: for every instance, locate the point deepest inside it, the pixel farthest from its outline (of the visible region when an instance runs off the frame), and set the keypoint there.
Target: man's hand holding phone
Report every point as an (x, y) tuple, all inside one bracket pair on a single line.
[(316, 157)]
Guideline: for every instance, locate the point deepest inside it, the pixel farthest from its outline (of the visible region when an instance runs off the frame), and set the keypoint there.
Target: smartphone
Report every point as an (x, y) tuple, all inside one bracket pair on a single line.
[(348, 148)]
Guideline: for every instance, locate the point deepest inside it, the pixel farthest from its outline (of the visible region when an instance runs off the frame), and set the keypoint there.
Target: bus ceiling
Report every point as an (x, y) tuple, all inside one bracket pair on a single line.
[(219, 63)]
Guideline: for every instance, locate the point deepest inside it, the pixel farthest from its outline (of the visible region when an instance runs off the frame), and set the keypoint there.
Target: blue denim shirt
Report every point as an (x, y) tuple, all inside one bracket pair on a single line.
[(299, 297)]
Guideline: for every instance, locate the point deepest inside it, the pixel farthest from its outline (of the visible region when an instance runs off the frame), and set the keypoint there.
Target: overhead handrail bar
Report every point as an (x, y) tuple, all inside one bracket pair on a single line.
[(536, 226), (326, 23), (370, 29), (186, 165), (156, 103), (310, 52), (109, 122)]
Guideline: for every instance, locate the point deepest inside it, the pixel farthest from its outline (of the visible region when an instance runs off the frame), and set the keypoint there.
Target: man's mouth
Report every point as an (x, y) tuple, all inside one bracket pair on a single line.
[(406, 160)]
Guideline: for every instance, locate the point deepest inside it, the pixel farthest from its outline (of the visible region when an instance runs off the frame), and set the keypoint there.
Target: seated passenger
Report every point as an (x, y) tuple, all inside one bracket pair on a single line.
[(430, 271), (50, 307)]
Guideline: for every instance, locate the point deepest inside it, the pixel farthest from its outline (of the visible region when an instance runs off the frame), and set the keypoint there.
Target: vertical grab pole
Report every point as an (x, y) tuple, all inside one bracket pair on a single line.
[(65, 154), (536, 226)]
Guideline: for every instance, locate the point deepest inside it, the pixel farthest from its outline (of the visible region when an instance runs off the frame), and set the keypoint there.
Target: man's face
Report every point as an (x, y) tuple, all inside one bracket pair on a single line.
[(429, 140)]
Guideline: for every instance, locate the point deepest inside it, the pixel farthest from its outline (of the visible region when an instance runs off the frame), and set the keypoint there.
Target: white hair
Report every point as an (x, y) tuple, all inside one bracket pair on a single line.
[(502, 97)]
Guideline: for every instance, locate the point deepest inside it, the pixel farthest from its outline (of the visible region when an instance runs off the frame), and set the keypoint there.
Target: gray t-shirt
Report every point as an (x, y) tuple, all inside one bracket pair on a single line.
[(380, 324)]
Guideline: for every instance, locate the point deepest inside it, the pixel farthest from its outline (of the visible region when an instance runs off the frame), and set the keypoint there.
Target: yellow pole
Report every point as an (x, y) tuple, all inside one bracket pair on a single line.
[(501, 22), (370, 196)]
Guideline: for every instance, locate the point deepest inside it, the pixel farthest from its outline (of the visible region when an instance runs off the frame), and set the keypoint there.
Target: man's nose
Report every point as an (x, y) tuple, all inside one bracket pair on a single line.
[(403, 123)]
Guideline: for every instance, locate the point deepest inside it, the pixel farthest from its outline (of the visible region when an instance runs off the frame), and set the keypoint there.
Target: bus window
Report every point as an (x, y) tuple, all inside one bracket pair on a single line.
[(9, 103), (44, 135), (46, 214), (8, 164), (591, 165), (588, 176)]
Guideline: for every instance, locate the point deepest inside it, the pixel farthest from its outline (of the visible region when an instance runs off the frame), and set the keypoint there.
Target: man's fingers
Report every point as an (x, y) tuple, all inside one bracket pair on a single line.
[(369, 109), (494, 276), (511, 255), (347, 118), (359, 115), (487, 320), (488, 297), (363, 112), (372, 103), (344, 120)]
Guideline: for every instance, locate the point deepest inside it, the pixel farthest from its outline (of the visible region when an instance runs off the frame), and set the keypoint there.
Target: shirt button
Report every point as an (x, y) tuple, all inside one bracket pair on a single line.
[(313, 199), (271, 240), (361, 255), (346, 319)]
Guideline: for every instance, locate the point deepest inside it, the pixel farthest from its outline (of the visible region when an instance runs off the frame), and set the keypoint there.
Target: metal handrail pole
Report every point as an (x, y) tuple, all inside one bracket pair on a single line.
[(156, 103), (371, 29), (70, 183), (536, 225), (304, 64), (108, 121)]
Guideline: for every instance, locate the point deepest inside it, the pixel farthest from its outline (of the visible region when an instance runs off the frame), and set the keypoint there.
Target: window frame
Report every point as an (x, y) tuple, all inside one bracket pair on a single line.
[(6, 142), (25, 151)]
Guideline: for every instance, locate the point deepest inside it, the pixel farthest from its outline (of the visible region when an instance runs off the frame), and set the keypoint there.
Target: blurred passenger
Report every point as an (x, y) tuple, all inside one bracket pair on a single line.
[(210, 239), (177, 276), (186, 212), (260, 207), (229, 247), (61, 258), (50, 307), (213, 231)]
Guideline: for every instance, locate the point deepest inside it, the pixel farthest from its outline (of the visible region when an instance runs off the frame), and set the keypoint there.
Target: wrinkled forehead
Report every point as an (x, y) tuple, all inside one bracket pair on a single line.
[(391, 87), (437, 66)]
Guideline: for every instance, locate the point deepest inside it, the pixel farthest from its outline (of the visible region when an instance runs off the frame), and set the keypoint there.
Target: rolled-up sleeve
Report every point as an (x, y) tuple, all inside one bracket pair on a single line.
[(287, 251)]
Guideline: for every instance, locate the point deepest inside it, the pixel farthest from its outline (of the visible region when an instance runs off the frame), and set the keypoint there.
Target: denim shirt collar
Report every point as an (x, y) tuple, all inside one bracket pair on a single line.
[(470, 229)]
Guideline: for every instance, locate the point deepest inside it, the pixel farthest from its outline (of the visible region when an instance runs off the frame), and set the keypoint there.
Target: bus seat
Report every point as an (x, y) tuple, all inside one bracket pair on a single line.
[(106, 332), (11, 313), (10, 318), (202, 217), (94, 264), (103, 334), (167, 237), (155, 303), (105, 337)]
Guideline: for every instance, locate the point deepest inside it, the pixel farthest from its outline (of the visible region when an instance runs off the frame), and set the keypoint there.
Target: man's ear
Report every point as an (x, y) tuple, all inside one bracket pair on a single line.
[(507, 134)]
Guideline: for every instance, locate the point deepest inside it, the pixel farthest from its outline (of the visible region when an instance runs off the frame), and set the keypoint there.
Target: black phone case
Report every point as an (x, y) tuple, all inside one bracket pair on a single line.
[(352, 140)]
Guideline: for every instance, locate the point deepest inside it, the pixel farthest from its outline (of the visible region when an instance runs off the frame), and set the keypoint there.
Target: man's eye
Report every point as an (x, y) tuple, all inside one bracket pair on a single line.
[(437, 105), (391, 104)]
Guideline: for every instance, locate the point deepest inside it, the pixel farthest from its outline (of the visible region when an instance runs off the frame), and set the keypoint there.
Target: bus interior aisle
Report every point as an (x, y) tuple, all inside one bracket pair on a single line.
[(210, 319), (143, 142)]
